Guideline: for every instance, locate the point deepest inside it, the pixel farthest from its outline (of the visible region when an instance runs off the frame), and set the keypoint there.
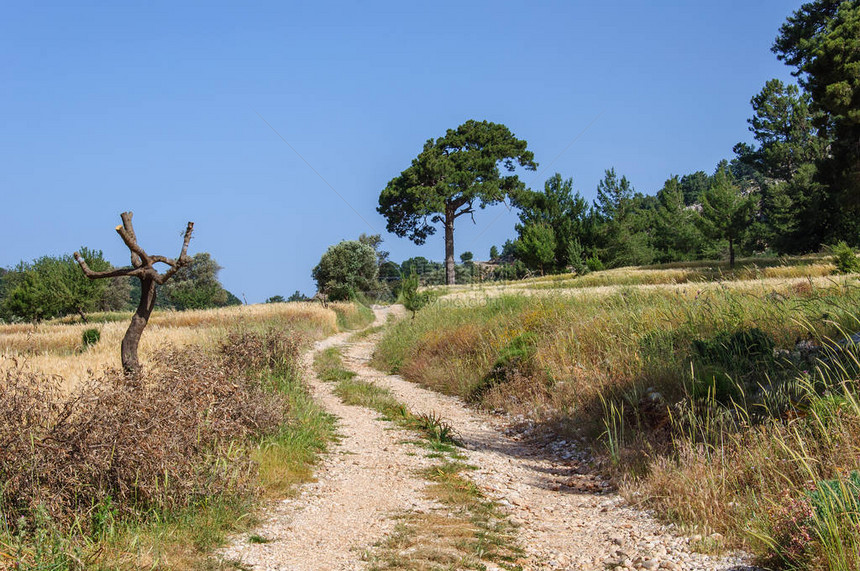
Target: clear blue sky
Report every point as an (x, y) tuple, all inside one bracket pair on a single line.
[(153, 107)]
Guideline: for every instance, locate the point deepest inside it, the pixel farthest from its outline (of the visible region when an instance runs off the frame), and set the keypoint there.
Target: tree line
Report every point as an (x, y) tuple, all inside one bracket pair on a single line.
[(793, 190), (54, 286), (361, 270)]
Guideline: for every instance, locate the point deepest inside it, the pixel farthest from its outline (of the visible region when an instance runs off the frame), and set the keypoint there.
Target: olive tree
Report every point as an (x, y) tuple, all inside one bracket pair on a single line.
[(142, 268), (346, 269)]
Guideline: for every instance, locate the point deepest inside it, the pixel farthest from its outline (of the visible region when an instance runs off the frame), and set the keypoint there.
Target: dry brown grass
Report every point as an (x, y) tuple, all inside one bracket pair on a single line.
[(111, 473), (471, 296), (54, 348), (429, 542), (163, 441), (466, 534)]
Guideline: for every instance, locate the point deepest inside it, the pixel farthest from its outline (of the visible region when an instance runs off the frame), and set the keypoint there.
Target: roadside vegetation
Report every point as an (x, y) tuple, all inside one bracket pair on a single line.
[(728, 407), (101, 470)]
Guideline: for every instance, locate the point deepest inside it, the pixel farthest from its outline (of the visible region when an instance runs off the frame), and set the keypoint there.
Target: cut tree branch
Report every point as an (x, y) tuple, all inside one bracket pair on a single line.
[(183, 259), (136, 250), (117, 273), (129, 227), (185, 241)]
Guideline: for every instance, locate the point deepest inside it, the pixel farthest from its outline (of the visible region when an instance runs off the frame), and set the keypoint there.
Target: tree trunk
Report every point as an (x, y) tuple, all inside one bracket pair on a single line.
[(450, 267), (141, 269), (731, 254), (130, 363)]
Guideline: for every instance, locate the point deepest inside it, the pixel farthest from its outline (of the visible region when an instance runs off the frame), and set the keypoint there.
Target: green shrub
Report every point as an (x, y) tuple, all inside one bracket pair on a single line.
[(594, 264), (514, 358), (751, 345), (347, 269), (713, 383), (844, 259), (729, 365), (830, 497), (576, 257), (410, 297), (819, 529), (90, 337)]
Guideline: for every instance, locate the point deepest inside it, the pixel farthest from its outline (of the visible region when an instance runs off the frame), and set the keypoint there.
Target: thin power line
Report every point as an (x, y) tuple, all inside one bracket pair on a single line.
[(369, 225)]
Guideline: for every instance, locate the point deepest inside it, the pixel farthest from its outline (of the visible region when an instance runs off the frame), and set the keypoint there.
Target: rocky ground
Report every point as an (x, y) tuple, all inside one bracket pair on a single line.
[(566, 517)]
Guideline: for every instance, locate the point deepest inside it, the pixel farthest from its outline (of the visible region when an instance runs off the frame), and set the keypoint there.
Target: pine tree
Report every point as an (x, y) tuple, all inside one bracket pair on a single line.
[(726, 212), (537, 246)]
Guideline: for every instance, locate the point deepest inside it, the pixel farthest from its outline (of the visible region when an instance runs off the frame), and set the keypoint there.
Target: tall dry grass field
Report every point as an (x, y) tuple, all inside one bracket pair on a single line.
[(55, 348)]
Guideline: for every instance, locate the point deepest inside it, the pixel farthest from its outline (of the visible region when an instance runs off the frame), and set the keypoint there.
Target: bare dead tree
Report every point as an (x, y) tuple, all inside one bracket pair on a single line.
[(322, 297), (142, 269)]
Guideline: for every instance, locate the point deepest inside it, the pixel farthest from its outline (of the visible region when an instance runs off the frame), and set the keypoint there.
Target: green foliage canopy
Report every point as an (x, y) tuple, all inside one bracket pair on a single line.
[(822, 41), (196, 285), (693, 185), (452, 176), (613, 196), (51, 287), (726, 212), (782, 125), (562, 209), (298, 296), (537, 245), (347, 269)]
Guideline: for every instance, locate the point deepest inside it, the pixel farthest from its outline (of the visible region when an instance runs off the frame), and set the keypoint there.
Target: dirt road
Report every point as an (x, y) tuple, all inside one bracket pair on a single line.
[(566, 519)]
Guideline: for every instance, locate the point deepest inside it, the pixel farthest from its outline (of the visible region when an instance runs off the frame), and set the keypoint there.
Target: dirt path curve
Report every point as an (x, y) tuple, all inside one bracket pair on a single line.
[(566, 520), (361, 483)]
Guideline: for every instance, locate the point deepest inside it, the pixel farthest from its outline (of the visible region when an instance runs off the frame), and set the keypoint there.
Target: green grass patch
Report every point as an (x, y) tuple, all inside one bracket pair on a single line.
[(361, 393), (432, 427), (286, 458), (328, 365), (96, 317), (365, 333), (178, 540), (467, 534), (352, 315)]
